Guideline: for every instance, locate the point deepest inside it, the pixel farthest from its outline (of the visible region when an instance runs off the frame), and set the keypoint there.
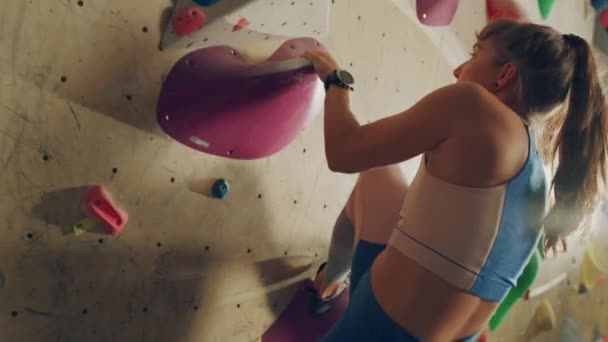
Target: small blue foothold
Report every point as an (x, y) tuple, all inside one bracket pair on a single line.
[(205, 2), (599, 4), (220, 188)]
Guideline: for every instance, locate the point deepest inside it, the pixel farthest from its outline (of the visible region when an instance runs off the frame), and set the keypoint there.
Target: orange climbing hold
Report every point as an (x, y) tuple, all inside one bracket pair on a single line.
[(243, 22)]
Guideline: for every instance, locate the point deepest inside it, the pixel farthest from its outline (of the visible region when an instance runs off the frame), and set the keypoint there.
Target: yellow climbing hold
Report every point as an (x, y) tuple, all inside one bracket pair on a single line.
[(543, 320)]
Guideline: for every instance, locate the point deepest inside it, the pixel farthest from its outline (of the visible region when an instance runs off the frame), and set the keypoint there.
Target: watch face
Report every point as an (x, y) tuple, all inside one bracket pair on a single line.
[(346, 77)]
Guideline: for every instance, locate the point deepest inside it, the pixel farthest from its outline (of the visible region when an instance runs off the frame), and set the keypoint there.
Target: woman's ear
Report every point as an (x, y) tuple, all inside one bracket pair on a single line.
[(508, 74)]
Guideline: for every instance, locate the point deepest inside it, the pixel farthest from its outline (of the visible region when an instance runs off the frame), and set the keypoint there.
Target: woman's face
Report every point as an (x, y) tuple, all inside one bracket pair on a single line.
[(481, 68)]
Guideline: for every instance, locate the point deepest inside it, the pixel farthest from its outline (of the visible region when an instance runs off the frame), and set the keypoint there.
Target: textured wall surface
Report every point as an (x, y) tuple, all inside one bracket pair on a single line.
[(79, 82)]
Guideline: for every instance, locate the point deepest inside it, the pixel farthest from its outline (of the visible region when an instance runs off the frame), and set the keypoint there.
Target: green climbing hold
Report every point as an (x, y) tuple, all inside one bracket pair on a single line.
[(545, 7), (82, 226)]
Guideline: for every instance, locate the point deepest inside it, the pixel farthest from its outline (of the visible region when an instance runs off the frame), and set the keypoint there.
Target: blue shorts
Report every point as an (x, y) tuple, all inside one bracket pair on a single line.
[(364, 319)]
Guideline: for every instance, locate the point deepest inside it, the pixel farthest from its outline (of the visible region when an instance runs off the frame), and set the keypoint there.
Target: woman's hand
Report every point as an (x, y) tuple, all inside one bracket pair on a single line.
[(322, 61)]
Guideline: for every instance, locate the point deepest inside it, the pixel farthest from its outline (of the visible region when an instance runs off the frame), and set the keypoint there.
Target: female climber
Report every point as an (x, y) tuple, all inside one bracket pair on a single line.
[(477, 207)]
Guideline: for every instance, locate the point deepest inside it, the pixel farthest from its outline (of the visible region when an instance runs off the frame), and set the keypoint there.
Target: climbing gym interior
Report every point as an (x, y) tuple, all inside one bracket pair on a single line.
[(164, 175)]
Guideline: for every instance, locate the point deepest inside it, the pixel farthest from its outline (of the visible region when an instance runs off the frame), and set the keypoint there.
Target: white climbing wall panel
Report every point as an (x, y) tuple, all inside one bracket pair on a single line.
[(78, 87)]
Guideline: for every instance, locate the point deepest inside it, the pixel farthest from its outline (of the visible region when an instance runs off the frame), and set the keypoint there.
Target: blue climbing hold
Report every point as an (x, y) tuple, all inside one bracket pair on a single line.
[(220, 188), (599, 4), (205, 2)]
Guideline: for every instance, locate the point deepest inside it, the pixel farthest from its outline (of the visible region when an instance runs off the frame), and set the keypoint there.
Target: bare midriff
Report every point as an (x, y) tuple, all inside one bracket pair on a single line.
[(424, 304)]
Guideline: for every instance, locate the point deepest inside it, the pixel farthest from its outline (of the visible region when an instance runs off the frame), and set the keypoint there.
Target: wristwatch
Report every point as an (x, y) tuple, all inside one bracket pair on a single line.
[(341, 78)]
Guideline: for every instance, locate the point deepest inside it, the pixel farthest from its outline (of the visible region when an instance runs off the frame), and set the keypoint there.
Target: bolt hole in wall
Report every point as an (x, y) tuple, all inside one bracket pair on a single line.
[(29, 236), (45, 157), (115, 170), (14, 314), (80, 3), (64, 79)]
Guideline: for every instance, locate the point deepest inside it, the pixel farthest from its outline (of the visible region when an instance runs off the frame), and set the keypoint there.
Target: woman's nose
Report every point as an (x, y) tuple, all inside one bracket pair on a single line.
[(457, 72)]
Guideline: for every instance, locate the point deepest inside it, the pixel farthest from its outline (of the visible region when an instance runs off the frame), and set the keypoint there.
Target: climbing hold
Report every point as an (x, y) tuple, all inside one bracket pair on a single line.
[(187, 20), (483, 337), (243, 22), (83, 225), (499, 9), (220, 188), (545, 7), (570, 331), (100, 207), (543, 320), (436, 12), (205, 2), (595, 259), (604, 18), (597, 335), (582, 289), (220, 103), (599, 4)]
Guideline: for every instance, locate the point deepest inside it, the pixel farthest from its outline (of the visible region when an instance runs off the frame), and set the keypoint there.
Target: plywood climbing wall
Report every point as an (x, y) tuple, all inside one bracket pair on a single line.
[(79, 82)]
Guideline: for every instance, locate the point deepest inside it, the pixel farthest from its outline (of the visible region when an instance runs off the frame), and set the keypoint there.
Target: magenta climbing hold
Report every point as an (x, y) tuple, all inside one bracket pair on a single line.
[(436, 12), (101, 207), (499, 9), (188, 19), (215, 101)]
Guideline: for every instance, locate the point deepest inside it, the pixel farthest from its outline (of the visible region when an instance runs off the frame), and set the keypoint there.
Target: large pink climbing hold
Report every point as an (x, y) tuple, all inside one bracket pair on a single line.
[(188, 19), (505, 9), (215, 101), (100, 206), (436, 12)]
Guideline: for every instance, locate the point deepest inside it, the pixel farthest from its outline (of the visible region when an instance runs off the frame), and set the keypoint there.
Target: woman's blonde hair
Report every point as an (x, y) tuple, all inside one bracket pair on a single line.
[(559, 71)]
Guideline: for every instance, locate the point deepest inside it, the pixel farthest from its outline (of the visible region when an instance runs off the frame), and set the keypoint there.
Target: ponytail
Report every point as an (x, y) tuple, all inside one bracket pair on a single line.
[(581, 147)]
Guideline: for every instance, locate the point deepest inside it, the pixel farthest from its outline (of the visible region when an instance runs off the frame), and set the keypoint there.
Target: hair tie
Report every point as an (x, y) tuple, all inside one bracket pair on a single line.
[(571, 39)]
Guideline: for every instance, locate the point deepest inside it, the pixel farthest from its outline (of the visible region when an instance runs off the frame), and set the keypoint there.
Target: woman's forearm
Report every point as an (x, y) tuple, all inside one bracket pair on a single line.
[(339, 123)]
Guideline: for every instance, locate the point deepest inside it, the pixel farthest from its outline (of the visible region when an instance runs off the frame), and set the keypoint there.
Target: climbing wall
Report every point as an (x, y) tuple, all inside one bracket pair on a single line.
[(79, 84)]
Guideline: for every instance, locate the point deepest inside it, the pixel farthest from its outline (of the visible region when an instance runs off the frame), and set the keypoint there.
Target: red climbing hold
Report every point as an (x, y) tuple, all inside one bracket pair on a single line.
[(99, 205), (483, 337), (187, 20), (243, 22), (604, 18), (500, 9)]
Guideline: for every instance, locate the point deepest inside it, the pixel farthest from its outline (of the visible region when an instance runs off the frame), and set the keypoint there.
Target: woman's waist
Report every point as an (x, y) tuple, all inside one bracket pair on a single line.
[(423, 303)]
